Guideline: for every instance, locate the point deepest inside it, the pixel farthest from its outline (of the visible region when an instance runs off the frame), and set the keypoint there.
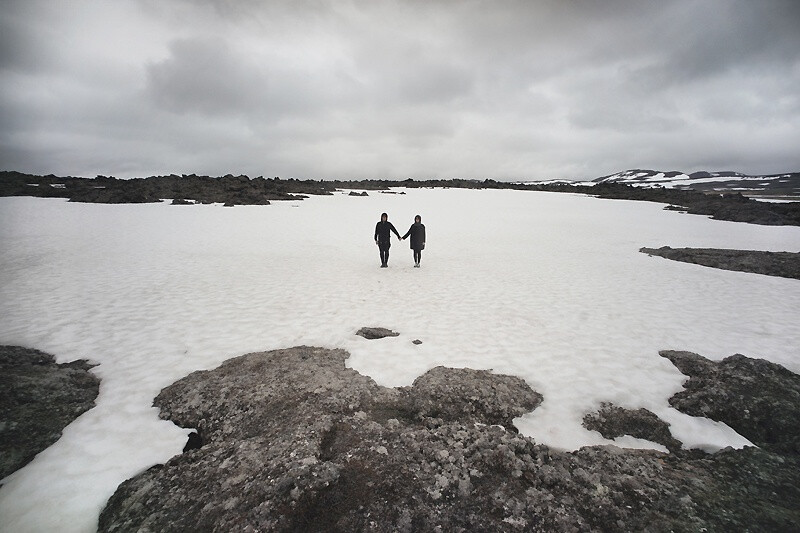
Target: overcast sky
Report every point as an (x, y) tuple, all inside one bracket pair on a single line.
[(373, 89)]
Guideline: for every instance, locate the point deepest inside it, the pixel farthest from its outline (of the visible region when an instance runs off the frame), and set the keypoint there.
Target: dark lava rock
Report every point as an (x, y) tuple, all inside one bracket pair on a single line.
[(782, 264), (757, 398), (38, 398), (362, 193), (416, 341), (612, 421), (376, 333), (478, 395), (292, 440), (181, 201)]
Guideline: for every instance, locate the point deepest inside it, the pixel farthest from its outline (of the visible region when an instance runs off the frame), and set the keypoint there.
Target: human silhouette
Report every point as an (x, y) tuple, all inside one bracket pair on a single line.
[(382, 238), (417, 232)]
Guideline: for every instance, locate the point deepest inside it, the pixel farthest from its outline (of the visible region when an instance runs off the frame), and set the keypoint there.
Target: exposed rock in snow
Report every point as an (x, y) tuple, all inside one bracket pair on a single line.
[(463, 394), (292, 440), (38, 398), (757, 398), (782, 264), (612, 421), (376, 333)]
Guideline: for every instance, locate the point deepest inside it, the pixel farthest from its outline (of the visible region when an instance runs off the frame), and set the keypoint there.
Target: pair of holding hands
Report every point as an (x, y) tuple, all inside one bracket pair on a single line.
[(401, 238)]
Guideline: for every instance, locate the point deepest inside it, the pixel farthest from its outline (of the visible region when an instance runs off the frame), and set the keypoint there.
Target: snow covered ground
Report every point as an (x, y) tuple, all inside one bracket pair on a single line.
[(549, 287)]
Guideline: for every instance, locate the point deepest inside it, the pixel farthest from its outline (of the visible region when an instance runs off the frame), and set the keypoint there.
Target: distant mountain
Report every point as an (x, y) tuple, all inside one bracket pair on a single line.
[(773, 186)]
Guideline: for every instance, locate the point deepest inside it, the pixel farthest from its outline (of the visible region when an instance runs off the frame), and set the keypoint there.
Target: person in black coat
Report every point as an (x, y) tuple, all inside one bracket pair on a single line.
[(382, 238), (417, 232)]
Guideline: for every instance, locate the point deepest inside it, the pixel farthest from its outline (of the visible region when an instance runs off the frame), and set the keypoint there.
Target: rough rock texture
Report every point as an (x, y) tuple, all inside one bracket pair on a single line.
[(471, 395), (782, 264), (294, 441), (612, 421), (376, 333), (757, 398), (38, 398)]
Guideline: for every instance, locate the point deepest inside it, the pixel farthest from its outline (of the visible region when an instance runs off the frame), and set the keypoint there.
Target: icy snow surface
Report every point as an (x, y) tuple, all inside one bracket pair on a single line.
[(549, 287)]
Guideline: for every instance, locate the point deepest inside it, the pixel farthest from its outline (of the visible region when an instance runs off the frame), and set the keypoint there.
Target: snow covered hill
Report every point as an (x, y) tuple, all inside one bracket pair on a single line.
[(772, 187)]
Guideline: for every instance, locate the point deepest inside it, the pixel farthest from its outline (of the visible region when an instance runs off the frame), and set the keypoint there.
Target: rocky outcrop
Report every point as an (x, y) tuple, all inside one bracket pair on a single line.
[(781, 264), (757, 398), (292, 440), (612, 421), (376, 333), (38, 398)]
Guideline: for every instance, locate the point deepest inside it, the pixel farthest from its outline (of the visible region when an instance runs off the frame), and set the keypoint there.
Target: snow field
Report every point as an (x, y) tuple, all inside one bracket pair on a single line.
[(546, 286)]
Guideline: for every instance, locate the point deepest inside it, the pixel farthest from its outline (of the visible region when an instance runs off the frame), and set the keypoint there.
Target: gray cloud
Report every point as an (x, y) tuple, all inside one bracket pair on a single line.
[(202, 75), (361, 88)]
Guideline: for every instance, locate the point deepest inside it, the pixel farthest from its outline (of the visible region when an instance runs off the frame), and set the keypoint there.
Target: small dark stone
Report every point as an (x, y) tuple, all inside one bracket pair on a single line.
[(416, 341)]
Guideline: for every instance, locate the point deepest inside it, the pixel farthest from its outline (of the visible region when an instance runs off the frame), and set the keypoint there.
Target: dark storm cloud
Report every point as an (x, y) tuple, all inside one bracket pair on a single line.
[(362, 88)]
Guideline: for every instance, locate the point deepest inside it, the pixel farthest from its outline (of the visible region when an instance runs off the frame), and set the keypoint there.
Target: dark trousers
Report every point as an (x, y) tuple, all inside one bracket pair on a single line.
[(384, 249), (417, 256)]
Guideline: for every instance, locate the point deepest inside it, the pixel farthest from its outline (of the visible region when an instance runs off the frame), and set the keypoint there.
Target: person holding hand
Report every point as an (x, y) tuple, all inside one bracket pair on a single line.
[(417, 233), (382, 238)]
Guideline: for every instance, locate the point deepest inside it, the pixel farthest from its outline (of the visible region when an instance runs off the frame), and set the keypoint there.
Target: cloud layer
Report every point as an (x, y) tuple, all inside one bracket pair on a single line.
[(363, 89)]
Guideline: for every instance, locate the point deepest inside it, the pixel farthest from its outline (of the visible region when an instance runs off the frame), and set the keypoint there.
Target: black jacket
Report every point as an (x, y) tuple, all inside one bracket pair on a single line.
[(382, 234), (417, 232)]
